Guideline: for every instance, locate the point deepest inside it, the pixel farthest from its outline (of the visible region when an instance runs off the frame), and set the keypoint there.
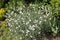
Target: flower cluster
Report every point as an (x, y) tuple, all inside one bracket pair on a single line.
[(2, 12)]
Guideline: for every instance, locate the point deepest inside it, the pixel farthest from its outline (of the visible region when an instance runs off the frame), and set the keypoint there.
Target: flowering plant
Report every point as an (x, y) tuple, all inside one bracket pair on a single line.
[(2, 12)]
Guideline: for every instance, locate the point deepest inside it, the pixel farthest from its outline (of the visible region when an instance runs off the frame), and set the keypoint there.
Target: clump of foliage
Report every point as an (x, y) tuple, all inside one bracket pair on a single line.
[(33, 21)]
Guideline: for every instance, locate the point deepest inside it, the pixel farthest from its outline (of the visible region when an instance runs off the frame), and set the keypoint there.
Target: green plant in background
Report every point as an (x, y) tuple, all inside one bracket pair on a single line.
[(56, 7), (55, 3), (4, 31), (1, 3)]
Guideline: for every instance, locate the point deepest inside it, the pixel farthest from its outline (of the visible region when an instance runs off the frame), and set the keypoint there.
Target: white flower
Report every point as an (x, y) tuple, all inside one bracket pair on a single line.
[(35, 21), (22, 31), (20, 12), (30, 20), (10, 30), (26, 34), (48, 14), (12, 12), (15, 21), (22, 18), (20, 38), (38, 7), (27, 23), (34, 7), (45, 16), (49, 18), (40, 18), (40, 22), (38, 32), (28, 14), (31, 36), (30, 4), (35, 12), (15, 30), (27, 31), (16, 27), (9, 24), (23, 6), (19, 8), (45, 20), (32, 27)]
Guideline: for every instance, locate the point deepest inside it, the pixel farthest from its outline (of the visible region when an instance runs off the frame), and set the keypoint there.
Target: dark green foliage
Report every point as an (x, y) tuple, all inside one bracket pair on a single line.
[(3, 3)]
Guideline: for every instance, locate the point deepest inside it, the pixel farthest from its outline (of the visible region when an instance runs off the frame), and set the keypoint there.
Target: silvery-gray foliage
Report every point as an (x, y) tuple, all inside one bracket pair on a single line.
[(29, 22)]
